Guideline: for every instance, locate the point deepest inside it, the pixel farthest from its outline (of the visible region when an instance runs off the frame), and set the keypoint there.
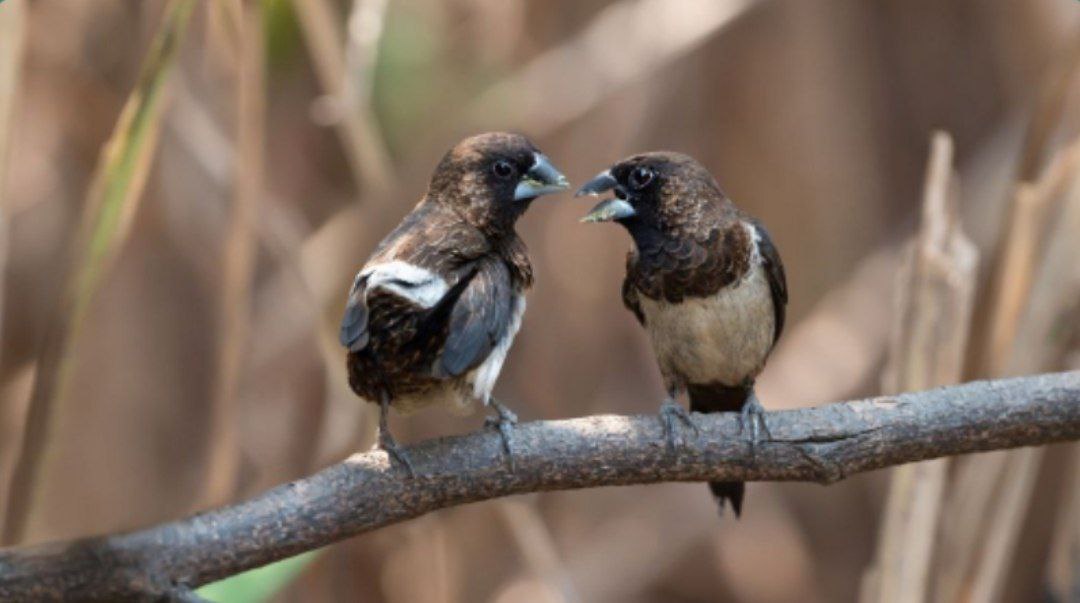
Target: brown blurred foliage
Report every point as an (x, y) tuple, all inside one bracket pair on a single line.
[(815, 116)]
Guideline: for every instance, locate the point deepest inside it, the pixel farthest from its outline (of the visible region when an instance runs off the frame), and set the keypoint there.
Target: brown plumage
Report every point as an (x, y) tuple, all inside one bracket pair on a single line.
[(704, 279), (433, 312)]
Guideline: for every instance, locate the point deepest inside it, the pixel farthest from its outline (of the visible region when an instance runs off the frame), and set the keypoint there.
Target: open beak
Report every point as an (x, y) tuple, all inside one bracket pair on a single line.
[(602, 183), (610, 210), (541, 179)]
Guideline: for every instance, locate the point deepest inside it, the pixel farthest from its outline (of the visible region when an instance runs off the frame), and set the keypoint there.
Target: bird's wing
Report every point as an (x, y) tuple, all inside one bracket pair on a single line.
[(354, 325), (480, 318), (774, 270), (400, 289), (412, 279)]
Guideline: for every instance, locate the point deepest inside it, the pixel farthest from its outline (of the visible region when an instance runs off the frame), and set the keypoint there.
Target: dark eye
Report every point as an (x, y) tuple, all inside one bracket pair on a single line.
[(502, 168), (640, 177)]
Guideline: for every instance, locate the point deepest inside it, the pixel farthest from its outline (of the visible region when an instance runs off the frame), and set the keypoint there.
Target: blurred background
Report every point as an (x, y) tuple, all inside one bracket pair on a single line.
[(188, 187)]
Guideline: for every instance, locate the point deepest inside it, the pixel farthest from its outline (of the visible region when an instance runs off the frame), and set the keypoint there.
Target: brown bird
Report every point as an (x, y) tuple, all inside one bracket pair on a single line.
[(706, 282), (432, 314)]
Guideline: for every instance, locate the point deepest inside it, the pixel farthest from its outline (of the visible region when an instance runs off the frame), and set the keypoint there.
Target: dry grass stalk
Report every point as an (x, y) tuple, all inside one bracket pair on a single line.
[(111, 202), (239, 263), (1039, 345), (585, 69), (1052, 104), (364, 30), (963, 521), (1064, 565), (535, 541), (1043, 341), (344, 66), (367, 155), (216, 155), (1038, 143), (426, 543), (12, 35), (1023, 240), (1063, 571), (936, 293), (1011, 274), (931, 328), (12, 418), (1018, 481), (224, 23), (1027, 293)]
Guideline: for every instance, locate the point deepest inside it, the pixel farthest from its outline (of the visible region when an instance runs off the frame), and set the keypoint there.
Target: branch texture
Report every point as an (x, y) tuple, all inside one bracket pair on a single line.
[(365, 492)]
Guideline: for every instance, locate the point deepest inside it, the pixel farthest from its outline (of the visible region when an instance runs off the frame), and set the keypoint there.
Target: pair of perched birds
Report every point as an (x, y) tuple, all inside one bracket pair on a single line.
[(431, 316)]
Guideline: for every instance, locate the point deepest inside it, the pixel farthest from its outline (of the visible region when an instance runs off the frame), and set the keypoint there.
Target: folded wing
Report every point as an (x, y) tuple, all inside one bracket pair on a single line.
[(417, 289), (480, 319), (774, 270)]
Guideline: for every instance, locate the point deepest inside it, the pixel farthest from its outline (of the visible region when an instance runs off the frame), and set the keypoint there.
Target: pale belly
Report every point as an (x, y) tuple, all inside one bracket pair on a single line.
[(456, 398), (720, 339)]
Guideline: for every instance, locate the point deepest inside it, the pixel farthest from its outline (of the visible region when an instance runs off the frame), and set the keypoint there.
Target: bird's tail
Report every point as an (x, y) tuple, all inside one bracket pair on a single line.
[(714, 397)]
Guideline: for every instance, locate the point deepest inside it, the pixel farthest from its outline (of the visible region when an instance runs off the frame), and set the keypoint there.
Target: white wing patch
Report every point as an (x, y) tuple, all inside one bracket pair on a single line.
[(484, 376), (418, 285)]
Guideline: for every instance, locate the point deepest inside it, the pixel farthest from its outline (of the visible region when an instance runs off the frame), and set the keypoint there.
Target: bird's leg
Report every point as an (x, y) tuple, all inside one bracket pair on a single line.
[(752, 416), (670, 412), (504, 421), (386, 440)]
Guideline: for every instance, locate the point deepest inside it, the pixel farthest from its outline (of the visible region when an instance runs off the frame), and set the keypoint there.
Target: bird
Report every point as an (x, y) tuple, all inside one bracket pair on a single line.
[(705, 281), (431, 315)]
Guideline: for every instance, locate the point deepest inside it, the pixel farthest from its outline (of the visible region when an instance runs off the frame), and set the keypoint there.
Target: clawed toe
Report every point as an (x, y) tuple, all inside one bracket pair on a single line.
[(396, 452), (504, 421), (670, 412), (752, 419), (387, 442)]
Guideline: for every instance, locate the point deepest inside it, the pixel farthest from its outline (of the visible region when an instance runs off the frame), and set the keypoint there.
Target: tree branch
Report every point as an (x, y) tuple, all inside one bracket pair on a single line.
[(365, 492)]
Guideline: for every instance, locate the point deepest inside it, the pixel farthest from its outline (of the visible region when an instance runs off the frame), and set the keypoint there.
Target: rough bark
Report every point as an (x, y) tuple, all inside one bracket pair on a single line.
[(365, 492)]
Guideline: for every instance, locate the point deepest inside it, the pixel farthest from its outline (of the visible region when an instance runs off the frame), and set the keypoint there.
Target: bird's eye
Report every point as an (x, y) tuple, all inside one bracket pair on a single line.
[(640, 177), (503, 169)]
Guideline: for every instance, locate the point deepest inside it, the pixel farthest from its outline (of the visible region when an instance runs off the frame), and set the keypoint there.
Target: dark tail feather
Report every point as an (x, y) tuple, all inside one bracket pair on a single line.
[(721, 398), (732, 492)]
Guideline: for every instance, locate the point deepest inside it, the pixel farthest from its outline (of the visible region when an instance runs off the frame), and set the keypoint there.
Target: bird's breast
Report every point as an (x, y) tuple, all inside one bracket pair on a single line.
[(724, 337)]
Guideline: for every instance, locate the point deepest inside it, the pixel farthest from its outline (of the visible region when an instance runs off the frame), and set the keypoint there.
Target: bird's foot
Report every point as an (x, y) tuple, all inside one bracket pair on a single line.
[(504, 420), (396, 452), (670, 413), (752, 420)]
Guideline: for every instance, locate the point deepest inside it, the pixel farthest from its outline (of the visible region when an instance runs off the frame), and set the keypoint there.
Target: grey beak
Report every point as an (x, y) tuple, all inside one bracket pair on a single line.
[(610, 210), (541, 179), (602, 183)]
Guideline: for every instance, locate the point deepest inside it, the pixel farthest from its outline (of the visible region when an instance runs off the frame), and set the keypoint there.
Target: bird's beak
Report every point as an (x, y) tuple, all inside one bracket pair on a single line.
[(603, 182), (541, 179), (610, 210)]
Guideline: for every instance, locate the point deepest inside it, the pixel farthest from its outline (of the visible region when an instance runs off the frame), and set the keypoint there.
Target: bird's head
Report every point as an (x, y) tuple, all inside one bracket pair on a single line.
[(492, 178), (653, 193)]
